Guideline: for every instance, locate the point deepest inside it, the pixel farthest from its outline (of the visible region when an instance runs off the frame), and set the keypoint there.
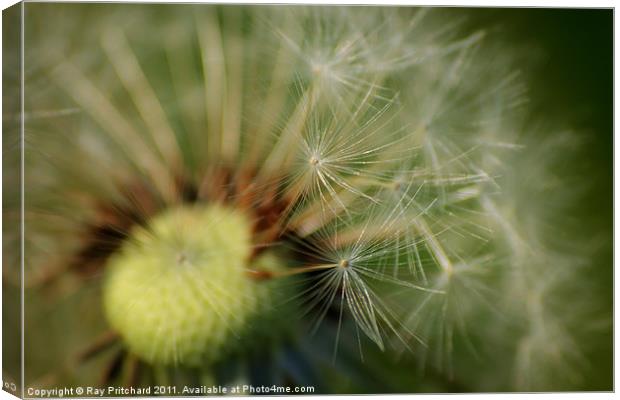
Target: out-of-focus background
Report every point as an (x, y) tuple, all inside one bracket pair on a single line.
[(572, 81)]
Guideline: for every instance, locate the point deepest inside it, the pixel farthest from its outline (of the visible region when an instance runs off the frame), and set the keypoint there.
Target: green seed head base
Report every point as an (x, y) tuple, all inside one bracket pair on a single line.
[(178, 292)]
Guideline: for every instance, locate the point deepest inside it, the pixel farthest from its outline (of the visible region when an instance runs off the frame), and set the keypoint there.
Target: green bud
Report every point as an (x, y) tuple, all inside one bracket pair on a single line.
[(178, 292)]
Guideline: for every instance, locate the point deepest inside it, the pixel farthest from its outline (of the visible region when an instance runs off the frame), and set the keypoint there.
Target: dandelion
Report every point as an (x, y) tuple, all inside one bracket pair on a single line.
[(236, 185)]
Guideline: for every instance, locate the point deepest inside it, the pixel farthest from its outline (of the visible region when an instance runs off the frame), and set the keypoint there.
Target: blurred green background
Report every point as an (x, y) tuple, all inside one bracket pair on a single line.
[(572, 82)]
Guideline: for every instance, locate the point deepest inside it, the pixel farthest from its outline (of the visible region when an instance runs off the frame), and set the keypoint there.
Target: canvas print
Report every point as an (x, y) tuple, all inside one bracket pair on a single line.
[(204, 199)]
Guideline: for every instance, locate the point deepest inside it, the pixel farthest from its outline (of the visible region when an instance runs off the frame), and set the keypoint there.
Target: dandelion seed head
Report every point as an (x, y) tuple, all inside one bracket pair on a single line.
[(378, 155)]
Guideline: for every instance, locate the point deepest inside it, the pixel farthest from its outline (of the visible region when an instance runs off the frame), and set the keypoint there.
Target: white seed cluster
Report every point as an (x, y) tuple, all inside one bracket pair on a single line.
[(398, 142)]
